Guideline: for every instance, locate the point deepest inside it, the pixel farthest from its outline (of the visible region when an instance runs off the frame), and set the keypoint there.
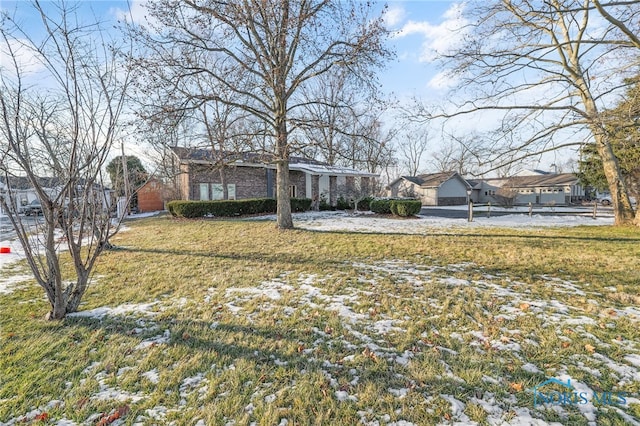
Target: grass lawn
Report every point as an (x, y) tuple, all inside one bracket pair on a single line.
[(234, 323)]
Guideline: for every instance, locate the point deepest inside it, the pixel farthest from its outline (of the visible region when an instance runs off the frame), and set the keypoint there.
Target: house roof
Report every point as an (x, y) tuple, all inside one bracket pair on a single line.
[(22, 182), (432, 180), (314, 167), (561, 179)]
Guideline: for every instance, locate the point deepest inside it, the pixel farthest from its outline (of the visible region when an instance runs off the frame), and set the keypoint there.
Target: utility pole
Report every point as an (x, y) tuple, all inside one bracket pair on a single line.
[(125, 178)]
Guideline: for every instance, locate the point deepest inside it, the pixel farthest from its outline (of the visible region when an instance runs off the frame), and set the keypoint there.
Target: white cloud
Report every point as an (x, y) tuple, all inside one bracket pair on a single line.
[(394, 16), (137, 13), (23, 52), (440, 38), (442, 81)]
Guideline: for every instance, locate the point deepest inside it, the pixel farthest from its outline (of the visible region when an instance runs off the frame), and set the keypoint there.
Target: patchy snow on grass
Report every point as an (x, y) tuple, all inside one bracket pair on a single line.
[(121, 310), (340, 221)]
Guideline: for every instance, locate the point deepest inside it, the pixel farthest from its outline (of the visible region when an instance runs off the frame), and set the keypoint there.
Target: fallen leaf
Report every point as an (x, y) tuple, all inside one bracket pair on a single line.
[(565, 344), (42, 417), (524, 306), (589, 348), (516, 386)]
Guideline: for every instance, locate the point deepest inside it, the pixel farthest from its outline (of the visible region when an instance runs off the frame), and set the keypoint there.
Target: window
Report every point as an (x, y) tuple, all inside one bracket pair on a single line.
[(204, 191), (231, 191), (293, 193), (217, 191)]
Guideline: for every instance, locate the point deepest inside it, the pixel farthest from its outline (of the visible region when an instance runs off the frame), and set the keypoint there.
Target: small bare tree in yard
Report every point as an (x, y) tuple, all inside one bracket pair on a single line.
[(548, 69), (58, 118), (506, 197)]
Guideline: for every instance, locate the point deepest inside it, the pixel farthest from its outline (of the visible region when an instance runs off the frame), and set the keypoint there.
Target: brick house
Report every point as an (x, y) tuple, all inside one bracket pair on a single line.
[(251, 175)]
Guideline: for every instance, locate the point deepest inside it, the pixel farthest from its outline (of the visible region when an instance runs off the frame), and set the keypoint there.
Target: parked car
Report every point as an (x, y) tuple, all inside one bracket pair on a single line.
[(33, 209), (605, 200)]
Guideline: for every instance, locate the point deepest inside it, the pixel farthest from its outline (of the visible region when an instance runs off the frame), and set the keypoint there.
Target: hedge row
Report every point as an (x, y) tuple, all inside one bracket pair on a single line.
[(402, 208), (231, 208)]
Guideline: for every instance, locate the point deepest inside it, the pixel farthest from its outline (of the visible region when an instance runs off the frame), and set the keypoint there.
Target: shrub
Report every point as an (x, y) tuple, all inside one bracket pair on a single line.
[(406, 208), (402, 208), (365, 203), (170, 207), (381, 206), (231, 208), (324, 204), (300, 204), (343, 204)]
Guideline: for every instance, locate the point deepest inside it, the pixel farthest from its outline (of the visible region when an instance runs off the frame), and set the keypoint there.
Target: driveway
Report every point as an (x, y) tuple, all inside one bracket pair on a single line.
[(460, 212)]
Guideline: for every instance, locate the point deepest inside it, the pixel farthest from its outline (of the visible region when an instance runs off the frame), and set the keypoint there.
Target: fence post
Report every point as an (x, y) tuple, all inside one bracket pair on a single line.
[(530, 209), (489, 209), (470, 219), (595, 209)]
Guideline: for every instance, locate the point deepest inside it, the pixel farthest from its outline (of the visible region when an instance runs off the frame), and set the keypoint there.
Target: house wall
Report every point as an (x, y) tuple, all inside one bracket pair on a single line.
[(150, 197), (250, 182), (404, 188), (298, 179), (428, 196), (544, 195)]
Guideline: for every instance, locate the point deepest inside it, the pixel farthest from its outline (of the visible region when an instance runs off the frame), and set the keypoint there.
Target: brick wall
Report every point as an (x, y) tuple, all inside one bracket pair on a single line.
[(150, 197), (298, 179), (250, 182)]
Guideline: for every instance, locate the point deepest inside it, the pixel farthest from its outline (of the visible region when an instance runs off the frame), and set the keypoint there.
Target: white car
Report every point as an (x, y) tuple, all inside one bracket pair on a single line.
[(605, 200)]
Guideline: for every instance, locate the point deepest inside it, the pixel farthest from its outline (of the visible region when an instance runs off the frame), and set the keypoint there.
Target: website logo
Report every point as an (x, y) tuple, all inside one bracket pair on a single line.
[(556, 392)]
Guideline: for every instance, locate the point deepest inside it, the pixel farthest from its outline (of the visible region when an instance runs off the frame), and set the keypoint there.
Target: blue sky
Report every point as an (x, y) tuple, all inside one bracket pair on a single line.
[(421, 29)]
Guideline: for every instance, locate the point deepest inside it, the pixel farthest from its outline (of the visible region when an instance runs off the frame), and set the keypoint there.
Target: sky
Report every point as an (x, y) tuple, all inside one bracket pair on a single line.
[(420, 29)]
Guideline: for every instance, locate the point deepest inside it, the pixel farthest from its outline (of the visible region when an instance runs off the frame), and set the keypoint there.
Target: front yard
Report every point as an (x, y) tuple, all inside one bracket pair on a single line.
[(234, 323)]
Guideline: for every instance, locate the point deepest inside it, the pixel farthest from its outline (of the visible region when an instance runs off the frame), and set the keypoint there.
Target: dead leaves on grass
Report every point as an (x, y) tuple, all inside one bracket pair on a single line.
[(118, 413)]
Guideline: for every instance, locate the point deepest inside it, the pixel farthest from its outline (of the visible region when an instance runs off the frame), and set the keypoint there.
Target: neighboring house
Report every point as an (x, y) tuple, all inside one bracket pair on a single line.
[(151, 196), (251, 175), (535, 188), (436, 189), (23, 193)]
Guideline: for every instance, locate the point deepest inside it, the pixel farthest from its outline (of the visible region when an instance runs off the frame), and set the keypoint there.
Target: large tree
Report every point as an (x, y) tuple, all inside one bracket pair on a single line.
[(550, 68), (623, 127), (264, 53), (136, 174), (59, 117)]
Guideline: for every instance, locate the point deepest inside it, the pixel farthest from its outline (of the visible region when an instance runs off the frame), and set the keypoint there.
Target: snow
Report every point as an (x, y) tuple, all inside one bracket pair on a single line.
[(367, 333), (335, 221)]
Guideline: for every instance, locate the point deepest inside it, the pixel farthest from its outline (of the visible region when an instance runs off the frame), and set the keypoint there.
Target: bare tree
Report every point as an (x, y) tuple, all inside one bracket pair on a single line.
[(61, 123), (550, 68), (275, 47), (412, 148), (458, 154)]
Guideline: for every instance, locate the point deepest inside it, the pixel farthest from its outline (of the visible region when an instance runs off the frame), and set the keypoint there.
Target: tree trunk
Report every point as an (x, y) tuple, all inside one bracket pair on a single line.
[(283, 202), (284, 219), (622, 210)]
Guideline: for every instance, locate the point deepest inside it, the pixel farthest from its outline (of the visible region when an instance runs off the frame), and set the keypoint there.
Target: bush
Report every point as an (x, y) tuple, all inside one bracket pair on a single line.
[(381, 206), (402, 208), (170, 207), (365, 204), (343, 204), (231, 208), (324, 205), (300, 204), (406, 208)]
